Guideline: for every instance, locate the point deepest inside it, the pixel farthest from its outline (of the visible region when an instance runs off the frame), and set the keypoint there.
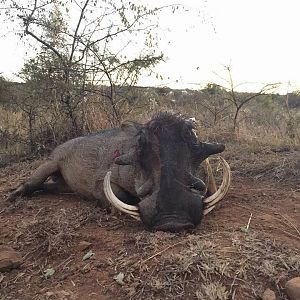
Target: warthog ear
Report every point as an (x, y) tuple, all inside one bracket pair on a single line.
[(204, 150), (130, 127), (213, 148)]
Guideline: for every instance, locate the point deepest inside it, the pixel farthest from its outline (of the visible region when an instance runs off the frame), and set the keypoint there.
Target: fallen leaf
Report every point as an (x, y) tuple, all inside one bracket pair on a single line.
[(65, 293), (119, 278), (88, 255), (48, 273), (49, 294)]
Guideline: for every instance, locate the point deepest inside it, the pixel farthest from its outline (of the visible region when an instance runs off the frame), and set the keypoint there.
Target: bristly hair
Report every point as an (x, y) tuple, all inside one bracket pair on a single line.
[(163, 121), (166, 126)]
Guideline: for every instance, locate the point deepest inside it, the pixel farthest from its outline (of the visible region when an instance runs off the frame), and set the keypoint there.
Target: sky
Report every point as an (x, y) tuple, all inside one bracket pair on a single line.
[(258, 39)]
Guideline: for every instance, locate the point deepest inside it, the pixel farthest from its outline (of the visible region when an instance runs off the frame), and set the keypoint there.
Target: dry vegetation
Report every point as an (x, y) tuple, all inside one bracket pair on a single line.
[(36, 127), (209, 263), (199, 266), (218, 260), (76, 85)]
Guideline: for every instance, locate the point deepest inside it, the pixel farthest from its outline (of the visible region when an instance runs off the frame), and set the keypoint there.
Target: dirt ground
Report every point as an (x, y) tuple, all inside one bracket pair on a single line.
[(217, 260)]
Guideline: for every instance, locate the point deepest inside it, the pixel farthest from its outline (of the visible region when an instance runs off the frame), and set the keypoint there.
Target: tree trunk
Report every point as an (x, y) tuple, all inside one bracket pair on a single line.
[(235, 119), (31, 138)]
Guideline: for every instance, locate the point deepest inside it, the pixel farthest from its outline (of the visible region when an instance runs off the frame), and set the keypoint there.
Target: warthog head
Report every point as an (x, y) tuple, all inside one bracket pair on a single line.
[(166, 156)]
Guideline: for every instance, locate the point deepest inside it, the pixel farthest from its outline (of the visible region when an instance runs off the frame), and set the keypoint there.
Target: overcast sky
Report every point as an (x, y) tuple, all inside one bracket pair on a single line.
[(259, 39)]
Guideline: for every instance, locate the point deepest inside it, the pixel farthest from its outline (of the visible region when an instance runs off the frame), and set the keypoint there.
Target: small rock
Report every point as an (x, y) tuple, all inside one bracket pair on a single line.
[(83, 245), (49, 294), (88, 255), (65, 293), (119, 278), (48, 273), (281, 149), (268, 295), (293, 288), (9, 258)]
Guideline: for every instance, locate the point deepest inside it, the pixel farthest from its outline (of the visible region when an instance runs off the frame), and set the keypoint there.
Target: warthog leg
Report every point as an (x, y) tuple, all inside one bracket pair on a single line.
[(56, 187), (36, 181)]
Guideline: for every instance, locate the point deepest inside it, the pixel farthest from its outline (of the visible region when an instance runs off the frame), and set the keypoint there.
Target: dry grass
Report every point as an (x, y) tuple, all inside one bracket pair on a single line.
[(50, 130), (200, 267), (223, 263), (265, 163), (218, 265)]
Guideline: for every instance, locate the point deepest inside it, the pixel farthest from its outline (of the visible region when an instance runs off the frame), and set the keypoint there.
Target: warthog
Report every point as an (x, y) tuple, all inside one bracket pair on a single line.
[(146, 170)]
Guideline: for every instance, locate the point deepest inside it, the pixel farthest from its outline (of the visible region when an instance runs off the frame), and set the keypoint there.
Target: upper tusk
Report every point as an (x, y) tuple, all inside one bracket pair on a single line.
[(223, 189), (211, 186), (132, 210)]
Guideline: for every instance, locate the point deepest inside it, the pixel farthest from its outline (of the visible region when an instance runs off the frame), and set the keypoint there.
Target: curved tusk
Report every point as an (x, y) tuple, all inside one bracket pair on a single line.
[(208, 210), (131, 210), (223, 189), (211, 185)]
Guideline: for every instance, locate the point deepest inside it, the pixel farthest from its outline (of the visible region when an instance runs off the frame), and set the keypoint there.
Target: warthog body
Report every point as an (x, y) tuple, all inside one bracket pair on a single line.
[(153, 168)]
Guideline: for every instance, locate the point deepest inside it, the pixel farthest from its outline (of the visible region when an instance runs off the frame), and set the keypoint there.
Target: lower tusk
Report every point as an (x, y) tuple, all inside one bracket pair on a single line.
[(134, 217), (223, 189), (131, 210), (211, 186), (208, 210)]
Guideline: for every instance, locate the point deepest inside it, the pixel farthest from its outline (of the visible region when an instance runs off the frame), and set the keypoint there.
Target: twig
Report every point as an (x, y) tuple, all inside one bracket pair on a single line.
[(65, 261), (232, 284), (248, 224), (292, 224), (38, 213), (171, 246), (262, 212), (160, 252), (278, 219), (290, 234), (233, 295)]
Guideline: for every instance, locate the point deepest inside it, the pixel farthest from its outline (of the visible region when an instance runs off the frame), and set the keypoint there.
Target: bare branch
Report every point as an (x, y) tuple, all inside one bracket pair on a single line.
[(76, 30), (27, 20)]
